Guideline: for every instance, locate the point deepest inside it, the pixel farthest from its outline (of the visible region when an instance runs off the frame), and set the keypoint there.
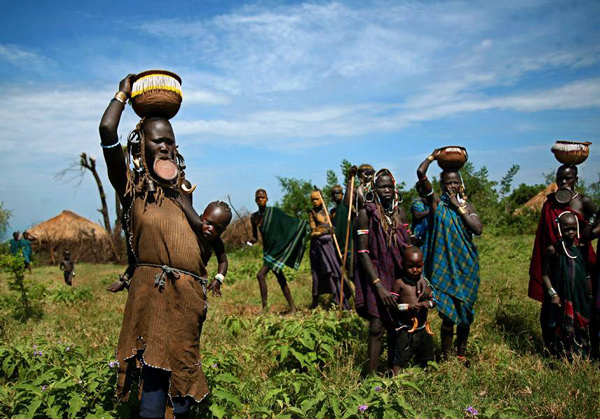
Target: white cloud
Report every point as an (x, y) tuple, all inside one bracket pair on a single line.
[(374, 118), (381, 45), (202, 97), (23, 57)]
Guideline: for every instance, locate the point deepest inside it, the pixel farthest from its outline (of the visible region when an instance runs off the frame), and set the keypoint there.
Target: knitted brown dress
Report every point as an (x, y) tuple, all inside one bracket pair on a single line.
[(163, 321)]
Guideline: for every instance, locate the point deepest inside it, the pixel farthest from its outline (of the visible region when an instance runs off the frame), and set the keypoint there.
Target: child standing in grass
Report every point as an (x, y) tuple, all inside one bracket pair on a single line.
[(412, 329), (68, 268), (568, 290)]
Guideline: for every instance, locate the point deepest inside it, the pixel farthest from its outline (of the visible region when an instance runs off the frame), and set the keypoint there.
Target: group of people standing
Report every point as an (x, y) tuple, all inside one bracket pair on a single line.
[(397, 275)]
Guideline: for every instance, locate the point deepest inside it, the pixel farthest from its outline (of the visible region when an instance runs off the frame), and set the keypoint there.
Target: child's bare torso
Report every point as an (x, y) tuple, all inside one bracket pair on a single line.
[(407, 294)]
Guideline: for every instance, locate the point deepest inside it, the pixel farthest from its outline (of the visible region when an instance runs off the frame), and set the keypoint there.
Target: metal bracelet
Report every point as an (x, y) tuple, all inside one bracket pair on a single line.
[(121, 97), (118, 143), (552, 292), (220, 278)]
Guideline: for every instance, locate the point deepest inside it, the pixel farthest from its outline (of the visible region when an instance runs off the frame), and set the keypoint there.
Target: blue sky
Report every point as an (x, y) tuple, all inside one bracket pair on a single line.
[(291, 88)]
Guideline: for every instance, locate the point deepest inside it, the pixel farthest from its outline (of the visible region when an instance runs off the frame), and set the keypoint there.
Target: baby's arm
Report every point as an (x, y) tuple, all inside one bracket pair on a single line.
[(215, 285), (429, 298), (190, 213)]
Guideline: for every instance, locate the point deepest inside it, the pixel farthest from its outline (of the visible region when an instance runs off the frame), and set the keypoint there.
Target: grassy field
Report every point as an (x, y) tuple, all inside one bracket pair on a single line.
[(306, 365)]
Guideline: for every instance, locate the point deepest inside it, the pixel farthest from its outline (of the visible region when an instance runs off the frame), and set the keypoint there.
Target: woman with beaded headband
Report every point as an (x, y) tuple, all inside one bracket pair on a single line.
[(381, 237), (451, 258), (166, 304), (567, 283)]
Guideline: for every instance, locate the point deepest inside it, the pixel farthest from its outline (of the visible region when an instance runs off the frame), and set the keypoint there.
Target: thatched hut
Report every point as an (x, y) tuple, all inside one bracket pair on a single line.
[(86, 240), (537, 202)]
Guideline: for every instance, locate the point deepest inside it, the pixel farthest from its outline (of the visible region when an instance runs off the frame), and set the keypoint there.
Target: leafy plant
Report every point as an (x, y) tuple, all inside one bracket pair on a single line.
[(71, 295), (22, 306)]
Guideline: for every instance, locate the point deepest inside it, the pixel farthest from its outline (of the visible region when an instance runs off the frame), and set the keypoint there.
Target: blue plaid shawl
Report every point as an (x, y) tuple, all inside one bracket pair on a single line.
[(452, 264)]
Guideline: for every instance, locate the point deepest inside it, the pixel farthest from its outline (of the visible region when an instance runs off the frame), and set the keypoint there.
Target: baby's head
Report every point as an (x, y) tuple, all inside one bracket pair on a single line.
[(568, 226), (413, 263), (215, 219)]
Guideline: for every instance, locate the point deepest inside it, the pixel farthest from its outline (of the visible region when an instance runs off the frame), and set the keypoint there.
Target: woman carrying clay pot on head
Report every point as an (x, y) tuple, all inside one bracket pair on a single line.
[(166, 305), (451, 261)]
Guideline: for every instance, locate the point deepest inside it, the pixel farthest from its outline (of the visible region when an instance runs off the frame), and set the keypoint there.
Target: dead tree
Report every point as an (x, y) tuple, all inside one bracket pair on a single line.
[(89, 163)]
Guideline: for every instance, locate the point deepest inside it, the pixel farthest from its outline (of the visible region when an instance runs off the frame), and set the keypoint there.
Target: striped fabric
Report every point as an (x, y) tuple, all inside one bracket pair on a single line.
[(452, 265), (283, 239), (571, 322)]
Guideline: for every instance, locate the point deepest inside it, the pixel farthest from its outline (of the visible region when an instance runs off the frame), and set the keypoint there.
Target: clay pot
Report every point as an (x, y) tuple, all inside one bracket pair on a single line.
[(452, 157), (571, 152), (156, 93)]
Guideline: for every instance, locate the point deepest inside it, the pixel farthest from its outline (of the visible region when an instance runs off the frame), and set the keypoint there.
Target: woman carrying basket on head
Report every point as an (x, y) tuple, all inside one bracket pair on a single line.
[(451, 258), (166, 305)]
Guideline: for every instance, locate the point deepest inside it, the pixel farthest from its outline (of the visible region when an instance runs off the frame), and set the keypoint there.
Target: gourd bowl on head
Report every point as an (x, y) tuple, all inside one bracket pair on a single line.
[(571, 152), (452, 157), (156, 93)]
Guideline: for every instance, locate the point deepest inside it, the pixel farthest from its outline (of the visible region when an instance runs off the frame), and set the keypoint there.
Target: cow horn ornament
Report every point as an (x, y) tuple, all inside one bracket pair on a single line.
[(187, 190)]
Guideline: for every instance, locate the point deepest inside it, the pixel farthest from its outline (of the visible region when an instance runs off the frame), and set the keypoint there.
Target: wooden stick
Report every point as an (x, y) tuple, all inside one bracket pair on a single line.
[(345, 258)]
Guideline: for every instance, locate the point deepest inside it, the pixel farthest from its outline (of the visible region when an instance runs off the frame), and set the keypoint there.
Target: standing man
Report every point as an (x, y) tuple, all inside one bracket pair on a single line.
[(547, 234), (452, 263), (283, 240)]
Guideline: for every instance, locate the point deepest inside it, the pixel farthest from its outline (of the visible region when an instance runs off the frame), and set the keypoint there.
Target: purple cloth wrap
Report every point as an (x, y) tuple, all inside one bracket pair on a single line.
[(325, 268), (388, 266)]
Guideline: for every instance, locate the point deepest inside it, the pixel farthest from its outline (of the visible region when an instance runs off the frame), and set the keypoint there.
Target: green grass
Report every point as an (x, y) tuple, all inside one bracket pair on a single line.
[(320, 373)]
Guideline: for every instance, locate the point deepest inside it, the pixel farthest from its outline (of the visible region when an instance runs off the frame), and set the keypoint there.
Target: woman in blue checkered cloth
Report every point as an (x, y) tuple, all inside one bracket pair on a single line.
[(451, 258)]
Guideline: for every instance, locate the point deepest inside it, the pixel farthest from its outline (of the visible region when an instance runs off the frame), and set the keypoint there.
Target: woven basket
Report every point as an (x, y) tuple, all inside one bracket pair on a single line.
[(156, 93), (452, 157), (571, 152)]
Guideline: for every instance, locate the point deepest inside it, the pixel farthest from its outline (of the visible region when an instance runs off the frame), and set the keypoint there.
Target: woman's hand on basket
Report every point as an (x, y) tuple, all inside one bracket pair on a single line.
[(125, 85)]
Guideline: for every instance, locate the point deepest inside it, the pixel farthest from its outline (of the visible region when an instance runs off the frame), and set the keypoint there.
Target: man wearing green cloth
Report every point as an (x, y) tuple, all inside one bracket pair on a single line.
[(283, 244)]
